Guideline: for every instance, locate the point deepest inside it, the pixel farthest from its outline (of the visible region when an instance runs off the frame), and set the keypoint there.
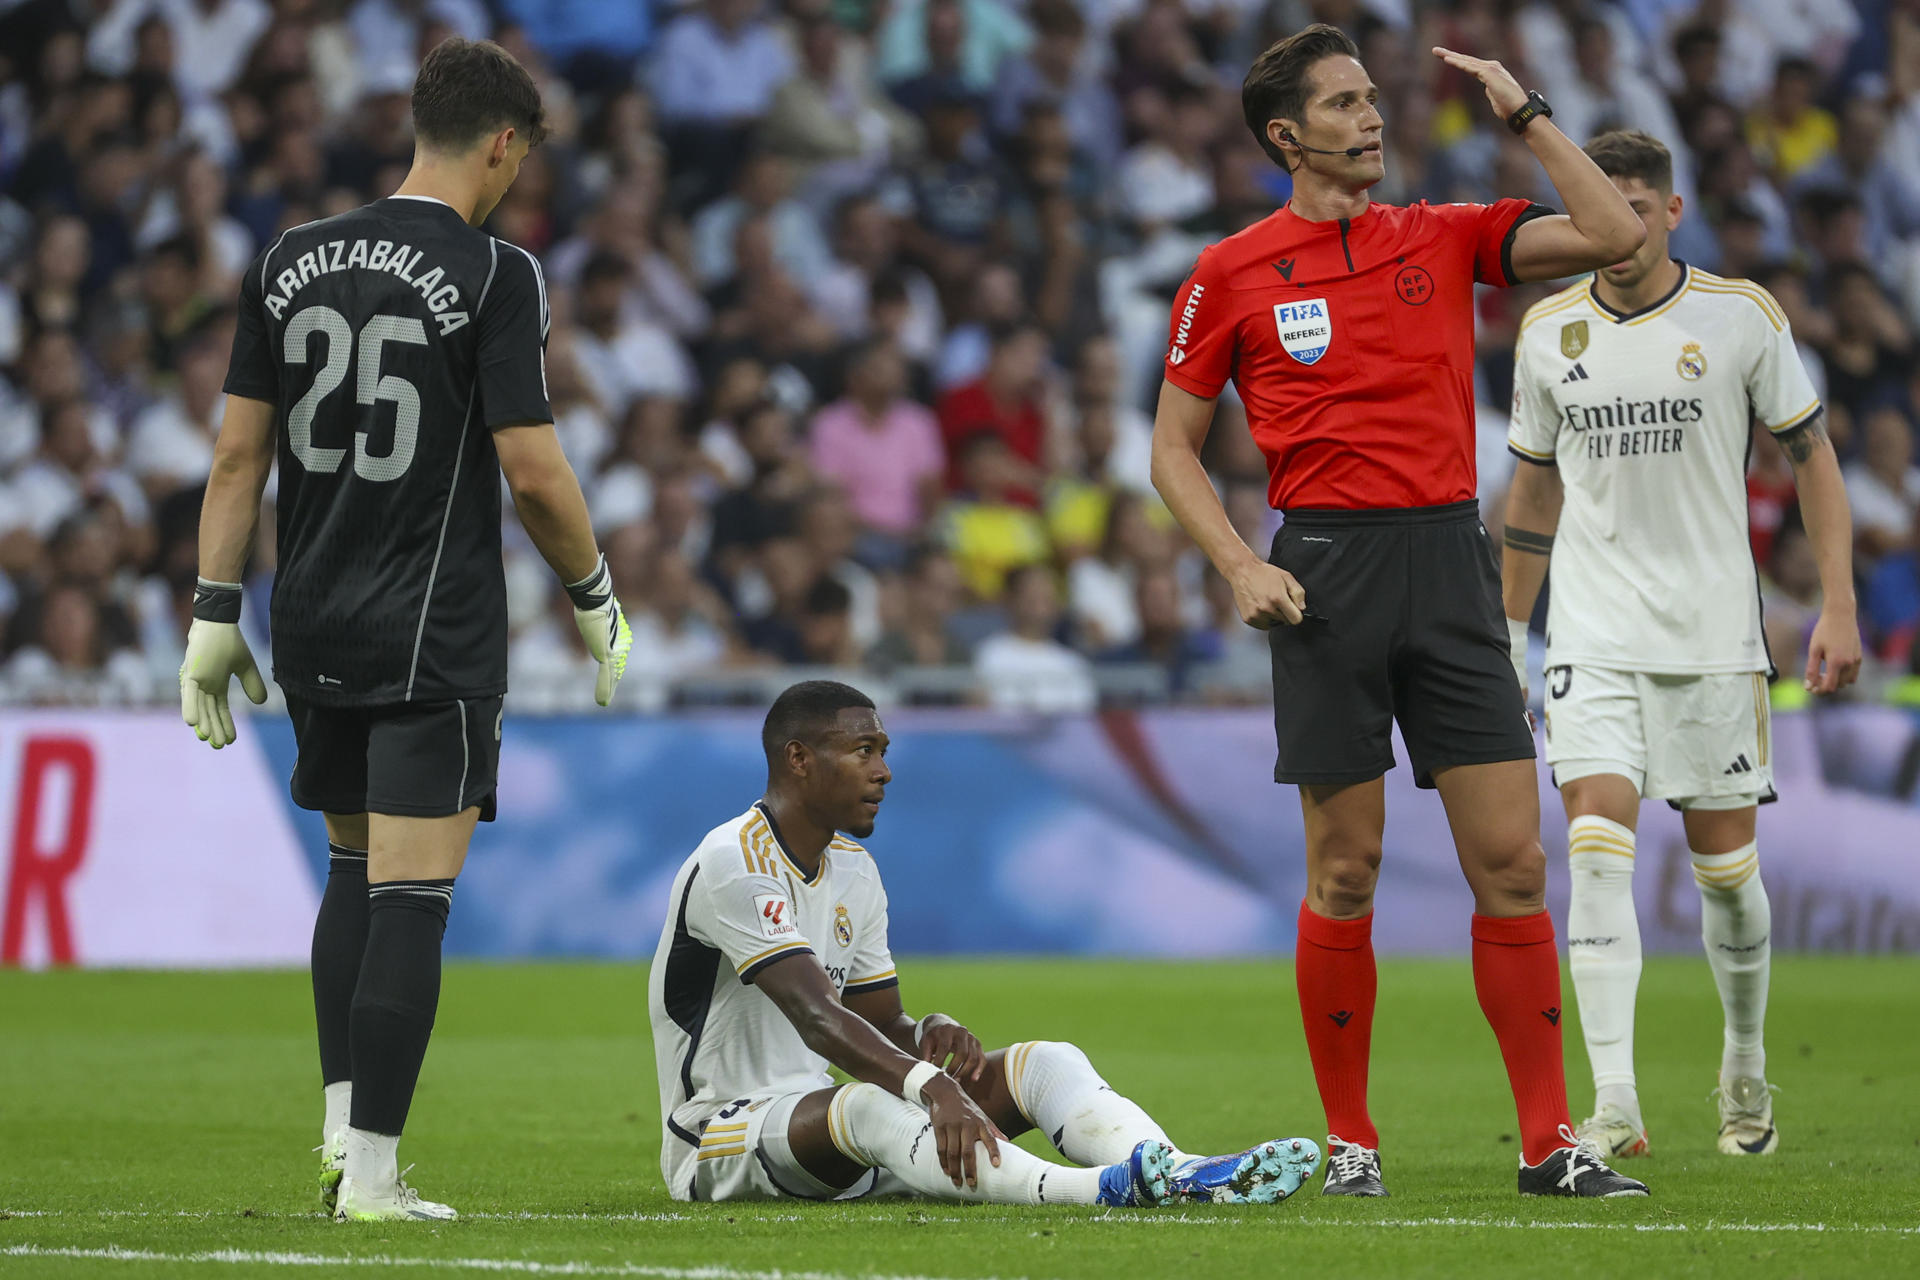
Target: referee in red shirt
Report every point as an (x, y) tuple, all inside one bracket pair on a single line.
[(1347, 327)]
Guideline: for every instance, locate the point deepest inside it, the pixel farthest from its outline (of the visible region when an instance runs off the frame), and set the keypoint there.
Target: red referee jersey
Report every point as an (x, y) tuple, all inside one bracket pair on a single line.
[(1351, 343)]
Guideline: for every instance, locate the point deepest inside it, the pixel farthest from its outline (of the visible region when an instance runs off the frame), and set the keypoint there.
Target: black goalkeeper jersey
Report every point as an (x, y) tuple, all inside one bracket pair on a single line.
[(391, 341)]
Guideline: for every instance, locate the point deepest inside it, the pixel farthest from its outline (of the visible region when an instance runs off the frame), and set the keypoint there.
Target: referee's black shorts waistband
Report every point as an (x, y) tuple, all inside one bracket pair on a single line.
[(1350, 517)]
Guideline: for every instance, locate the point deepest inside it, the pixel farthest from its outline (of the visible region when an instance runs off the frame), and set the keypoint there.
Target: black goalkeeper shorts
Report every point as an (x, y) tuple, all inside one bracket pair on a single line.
[(414, 760), (1405, 623)]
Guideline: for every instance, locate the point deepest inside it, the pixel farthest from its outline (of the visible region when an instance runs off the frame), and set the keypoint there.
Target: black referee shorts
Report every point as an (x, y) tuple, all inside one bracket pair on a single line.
[(1404, 623), (415, 760)]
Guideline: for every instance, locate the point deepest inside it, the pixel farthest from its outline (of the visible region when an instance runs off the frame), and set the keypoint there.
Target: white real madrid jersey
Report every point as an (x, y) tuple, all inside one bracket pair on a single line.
[(1647, 417), (739, 904)]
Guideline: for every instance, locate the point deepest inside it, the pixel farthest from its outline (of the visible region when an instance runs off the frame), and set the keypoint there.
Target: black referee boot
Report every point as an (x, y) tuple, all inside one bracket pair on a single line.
[(1352, 1170), (1577, 1170)]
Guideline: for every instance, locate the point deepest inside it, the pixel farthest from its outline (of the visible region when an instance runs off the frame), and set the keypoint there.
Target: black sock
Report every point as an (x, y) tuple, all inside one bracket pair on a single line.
[(339, 940), (394, 1004)]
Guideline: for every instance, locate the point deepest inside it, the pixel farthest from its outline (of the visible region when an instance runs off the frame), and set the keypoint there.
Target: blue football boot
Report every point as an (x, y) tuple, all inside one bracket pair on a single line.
[(1144, 1178), (1266, 1174)]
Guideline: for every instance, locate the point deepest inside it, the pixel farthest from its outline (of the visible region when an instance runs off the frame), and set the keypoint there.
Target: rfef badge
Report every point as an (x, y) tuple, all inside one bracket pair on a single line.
[(1306, 328), (1573, 339)]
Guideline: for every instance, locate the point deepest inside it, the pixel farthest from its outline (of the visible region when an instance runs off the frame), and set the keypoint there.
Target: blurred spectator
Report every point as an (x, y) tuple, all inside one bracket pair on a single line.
[(1102, 589), (1871, 351), (959, 190), (1026, 668), (1005, 402), (170, 285), (920, 633), (1166, 177), (1060, 71), (678, 626), (66, 474), (171, 444), (1790, 597), (620, 357), (209, 40), (1603, 94), (831, 119), (964, 39), (762, 192), (70, 656), (826, 626), (1165, 639), (828, 532), (996, 300), (766, 505), (1789, 131), (718, 63), (1884, 486), (1889, 197), (1721, 44), (882, 448), (988, 529)]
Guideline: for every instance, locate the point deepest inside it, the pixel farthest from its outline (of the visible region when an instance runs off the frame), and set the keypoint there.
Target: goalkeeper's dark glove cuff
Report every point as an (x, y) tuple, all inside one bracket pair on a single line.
[(594, 590), (216, 601)]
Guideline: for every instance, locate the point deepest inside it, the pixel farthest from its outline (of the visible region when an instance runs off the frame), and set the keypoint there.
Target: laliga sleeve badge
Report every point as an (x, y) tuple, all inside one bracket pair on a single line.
[(1692, 363), (1305, 327), (1573, 339), (774, 914)]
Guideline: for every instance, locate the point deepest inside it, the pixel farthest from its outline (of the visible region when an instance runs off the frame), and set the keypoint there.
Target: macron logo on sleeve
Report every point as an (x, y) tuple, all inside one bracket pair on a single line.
[(775, 916), (1178, 354)]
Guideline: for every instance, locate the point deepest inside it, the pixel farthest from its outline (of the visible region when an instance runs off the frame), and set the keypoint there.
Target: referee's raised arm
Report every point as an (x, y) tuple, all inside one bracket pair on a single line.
[(1599, 227)]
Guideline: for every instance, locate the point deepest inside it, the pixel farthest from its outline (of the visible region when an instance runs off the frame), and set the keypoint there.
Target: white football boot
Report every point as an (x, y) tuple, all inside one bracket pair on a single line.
[(1746, 1117), (1614, 1132), (333, 1163), (396, 1202)]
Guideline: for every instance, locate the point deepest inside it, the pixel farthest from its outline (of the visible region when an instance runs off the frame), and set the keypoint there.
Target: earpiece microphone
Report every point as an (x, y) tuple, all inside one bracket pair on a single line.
[(1352, 153)]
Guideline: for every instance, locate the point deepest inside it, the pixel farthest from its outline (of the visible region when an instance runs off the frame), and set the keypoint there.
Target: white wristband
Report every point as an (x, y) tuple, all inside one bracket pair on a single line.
[(917, 1077)]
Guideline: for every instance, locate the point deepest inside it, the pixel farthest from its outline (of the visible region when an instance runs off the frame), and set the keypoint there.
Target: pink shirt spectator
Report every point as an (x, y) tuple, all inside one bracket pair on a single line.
[(883, 464)]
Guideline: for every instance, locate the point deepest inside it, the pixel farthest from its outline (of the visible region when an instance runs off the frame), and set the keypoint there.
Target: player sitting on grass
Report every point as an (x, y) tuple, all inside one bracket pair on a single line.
[(774, 964)]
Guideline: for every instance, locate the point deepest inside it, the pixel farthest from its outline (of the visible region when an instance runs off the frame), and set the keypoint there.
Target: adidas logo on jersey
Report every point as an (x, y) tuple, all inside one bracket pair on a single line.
[(1738, 766), (1575, 374)]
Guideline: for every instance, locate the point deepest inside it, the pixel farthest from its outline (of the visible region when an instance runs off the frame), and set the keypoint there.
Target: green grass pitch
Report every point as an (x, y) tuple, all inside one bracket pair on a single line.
[(159, 1124)]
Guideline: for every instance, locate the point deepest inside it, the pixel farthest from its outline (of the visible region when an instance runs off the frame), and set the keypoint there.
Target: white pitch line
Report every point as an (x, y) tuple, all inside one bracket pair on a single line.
[(516, 1266), (1130, 1218)]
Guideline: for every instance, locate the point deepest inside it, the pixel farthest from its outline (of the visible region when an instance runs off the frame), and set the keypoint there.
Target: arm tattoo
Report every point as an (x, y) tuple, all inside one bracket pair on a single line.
[(1533, 544), (1801, 441)]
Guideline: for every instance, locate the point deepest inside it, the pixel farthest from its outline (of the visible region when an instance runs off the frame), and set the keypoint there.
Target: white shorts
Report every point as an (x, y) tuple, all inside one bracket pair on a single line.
[(744, 1154), (1697, 742)]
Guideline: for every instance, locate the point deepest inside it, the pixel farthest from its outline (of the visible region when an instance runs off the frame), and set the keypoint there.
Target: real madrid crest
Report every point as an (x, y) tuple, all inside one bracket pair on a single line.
[(1692, 364), (842, 926), (1573, 339)]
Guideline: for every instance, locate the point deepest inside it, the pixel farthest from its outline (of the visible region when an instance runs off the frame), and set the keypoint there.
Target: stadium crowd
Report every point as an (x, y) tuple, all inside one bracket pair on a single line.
[(860, 305)]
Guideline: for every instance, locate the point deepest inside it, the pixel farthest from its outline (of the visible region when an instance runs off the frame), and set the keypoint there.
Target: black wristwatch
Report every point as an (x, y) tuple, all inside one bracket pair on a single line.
[(1534, 106)]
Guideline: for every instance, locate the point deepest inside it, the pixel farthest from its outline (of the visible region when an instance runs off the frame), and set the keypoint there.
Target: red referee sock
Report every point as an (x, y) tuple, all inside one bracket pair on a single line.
[(1516, 973), (1333, 965)]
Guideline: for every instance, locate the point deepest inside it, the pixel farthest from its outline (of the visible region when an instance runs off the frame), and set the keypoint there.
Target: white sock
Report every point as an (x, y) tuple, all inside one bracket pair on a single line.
[(874, 1128), (339, 1109), (1736, 924), (1603, 952), (1061, 1095), (373, 1159)]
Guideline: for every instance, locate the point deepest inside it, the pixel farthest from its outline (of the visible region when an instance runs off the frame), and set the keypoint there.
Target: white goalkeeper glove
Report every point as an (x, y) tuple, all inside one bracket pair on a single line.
[(1517, 647), (603, 625), (216, 652)]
